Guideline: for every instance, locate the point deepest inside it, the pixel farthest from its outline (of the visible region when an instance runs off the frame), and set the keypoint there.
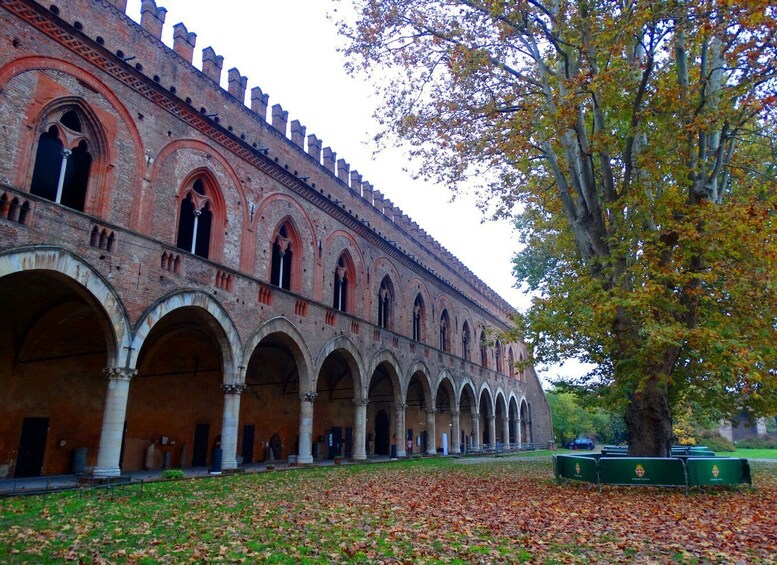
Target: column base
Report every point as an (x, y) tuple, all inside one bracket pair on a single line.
[(107, 472), (304, 459), (456, 451), (359, 456), (401, 453), (228, 464)]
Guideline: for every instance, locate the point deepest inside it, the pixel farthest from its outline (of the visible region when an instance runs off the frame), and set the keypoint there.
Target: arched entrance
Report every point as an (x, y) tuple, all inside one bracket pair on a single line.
[(333, 422), (487, 423), (419, 417), (270, 405), (445, 405), (383, 394), (502, 422), (382, 432), (56, 340), (514, 431), (526, 432), (469, 420), (175, 407)]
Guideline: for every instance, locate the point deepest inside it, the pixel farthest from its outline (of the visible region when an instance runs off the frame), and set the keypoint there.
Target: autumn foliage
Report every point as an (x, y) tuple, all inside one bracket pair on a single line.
[(419, 512), (634, 144)]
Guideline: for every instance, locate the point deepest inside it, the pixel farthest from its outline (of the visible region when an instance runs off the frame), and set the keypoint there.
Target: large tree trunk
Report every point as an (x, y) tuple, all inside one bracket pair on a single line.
[(649, 421)]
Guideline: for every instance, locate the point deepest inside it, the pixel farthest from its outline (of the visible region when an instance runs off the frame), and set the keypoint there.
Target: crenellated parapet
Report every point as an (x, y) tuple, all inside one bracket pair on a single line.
[(227, 108)]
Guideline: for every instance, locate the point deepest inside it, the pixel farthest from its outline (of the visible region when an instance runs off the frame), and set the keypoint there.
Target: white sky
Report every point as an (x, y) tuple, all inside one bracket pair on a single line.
[(289, 49)]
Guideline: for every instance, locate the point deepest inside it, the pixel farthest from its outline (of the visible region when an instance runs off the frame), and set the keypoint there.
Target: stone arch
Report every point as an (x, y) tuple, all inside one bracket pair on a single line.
[(417, 288), (223, 326), (485, 389), (342, 244), (384, 356), (39, 63), (46, 258), (214, 198), (299, 350), (500, 394), (419, 367), (467, 385), (445, 379), (352, 356)]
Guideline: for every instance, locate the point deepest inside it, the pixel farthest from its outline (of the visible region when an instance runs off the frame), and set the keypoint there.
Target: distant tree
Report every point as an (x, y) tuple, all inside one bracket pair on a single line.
[(635, 143)]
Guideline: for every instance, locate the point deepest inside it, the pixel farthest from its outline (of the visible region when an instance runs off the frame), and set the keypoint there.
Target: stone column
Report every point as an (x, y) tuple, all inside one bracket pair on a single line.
[(492, 429), (229, 423), (431, 432), (518, 434), (400, 432), (360, 429), (476, 430), (506, 430), (455, 432), (305, 454), (114, 415)]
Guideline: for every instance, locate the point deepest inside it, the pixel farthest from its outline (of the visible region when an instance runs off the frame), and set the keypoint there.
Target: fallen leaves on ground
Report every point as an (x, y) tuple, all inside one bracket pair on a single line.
[(419, 511)]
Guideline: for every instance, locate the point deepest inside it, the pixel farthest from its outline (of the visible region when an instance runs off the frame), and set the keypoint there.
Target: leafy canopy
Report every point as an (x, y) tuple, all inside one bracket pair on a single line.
[(634, 144)]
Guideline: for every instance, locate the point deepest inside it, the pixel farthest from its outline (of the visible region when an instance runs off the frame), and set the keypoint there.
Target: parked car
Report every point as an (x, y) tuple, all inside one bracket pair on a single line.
[(581, 443)]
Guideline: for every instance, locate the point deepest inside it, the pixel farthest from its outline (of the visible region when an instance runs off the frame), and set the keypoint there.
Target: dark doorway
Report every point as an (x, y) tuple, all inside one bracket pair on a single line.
[(249, 430), (335, 442), (276, 446), (348, 443), (32, 446), (409, 441), (381, 433), (200, 449), (423, 441)]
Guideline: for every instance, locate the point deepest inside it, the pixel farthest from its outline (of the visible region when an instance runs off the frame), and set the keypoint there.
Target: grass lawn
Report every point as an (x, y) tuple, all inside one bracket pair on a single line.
[(506, 510), (751, 453)]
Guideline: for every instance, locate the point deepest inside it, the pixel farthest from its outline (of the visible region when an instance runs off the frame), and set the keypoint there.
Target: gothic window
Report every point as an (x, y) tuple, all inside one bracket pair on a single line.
[(418, 318), (521, 374), (282, 254), (465, 341), (498, 356), (340, 298), (63, 160), (483, 349), (445, 331), (195, 220), (510, 363), (385, 303)]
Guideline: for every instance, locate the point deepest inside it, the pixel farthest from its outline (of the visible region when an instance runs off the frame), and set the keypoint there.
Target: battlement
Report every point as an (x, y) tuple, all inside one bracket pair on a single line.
[(139, 45)]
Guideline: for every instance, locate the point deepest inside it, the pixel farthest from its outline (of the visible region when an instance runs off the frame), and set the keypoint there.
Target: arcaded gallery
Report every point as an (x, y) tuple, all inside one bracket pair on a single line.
[(183, 269)]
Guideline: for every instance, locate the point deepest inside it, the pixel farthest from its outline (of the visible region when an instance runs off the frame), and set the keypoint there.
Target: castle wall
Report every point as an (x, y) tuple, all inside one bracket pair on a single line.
[(155, 127)]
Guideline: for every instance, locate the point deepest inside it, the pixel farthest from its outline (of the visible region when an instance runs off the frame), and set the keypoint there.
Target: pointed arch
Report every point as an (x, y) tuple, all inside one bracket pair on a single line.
[(386, 300), (466, 341), (387, 359), (419, 367), (201, 215), (445, 331), (344, 285), (286, 260)]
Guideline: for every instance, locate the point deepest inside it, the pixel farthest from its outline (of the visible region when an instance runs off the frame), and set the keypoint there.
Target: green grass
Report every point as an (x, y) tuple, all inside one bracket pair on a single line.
[(751, 453), (433, 510)]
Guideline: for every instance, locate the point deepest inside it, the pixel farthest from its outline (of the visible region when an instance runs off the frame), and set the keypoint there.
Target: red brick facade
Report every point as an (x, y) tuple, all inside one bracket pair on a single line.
[(144, 275)]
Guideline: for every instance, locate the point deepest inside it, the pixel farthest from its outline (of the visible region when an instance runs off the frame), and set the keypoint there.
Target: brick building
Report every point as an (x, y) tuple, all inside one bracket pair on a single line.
[(180, 270)]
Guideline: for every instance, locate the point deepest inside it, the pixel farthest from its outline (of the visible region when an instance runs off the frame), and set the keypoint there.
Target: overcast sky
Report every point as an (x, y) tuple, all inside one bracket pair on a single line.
[(289, 49)]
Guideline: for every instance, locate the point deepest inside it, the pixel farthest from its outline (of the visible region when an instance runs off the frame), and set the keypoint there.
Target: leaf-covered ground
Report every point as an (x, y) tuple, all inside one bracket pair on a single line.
[(415, 511)]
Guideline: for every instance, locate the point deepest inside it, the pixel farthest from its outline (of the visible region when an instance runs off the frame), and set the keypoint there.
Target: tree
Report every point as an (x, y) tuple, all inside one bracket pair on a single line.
[(634, 142)]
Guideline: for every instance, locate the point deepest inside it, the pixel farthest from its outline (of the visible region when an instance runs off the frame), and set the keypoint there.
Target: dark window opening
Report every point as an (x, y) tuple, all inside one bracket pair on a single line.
[(76, 177), (71, 121), (199, 187), (384, 303), (498, 356), (465, 341), (195, 225), (186, 224), (340, 298), (483, 349), (280, 271), (418, 315), (48, 165), (445, 331)]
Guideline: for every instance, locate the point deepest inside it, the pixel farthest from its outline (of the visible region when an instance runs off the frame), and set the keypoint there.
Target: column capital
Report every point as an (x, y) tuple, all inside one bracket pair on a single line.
[(120, 373), (233, 388), (455, 413), (66, 153), (492, 418), (475, 414), (361, 401), (430, 411), (402, 406), (308, 396)]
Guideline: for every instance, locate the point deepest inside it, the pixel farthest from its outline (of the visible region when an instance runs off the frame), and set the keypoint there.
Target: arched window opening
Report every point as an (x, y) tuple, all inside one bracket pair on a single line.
[(418, 318), (385, 303), (511, 363), (48, 165), (498, 356), (340, 298), (195, 221), (445, 331), (465, 339), (280, 271), (483, 349), (521, 373), (4, 206), (13, 210), (63, 162)]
